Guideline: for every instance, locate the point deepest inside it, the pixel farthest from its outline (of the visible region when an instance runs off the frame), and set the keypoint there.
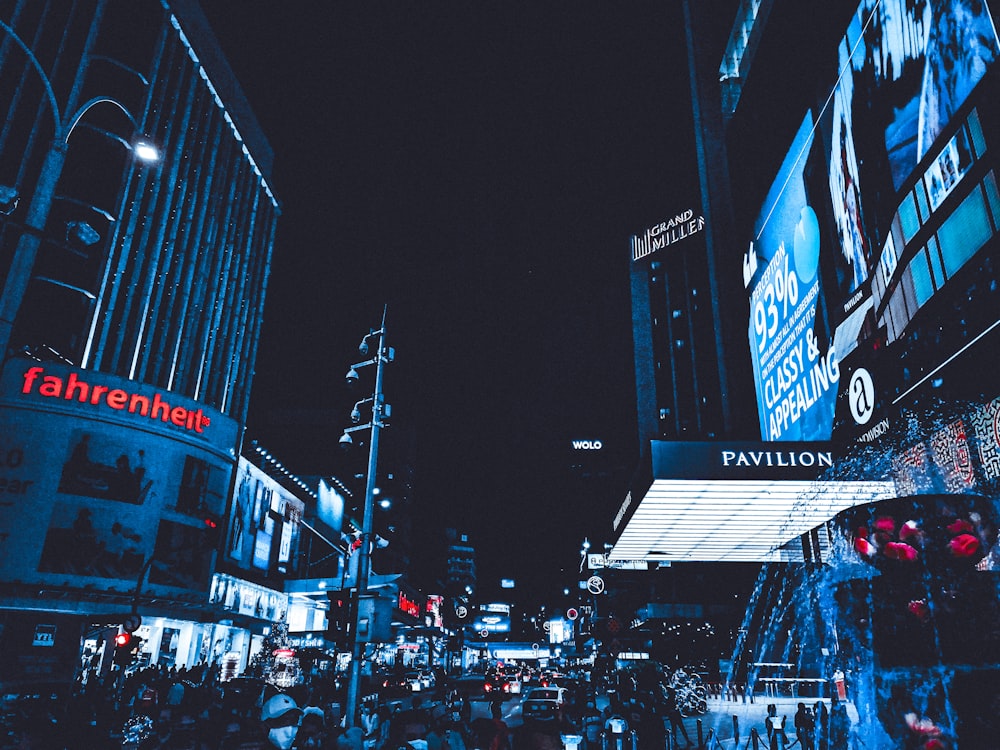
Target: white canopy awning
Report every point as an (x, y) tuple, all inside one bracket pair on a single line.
[(734, 520)]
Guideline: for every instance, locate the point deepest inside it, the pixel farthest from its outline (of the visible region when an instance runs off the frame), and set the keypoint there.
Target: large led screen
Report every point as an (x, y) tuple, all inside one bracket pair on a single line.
[(795, 373), (904, 70)]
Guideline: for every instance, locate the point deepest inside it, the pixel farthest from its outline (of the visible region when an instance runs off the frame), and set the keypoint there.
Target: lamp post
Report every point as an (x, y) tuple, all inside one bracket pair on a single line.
[(380, 411), (40, 206)]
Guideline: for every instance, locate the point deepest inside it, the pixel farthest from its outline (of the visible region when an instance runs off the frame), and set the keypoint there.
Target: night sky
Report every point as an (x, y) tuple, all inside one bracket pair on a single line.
[(478, 167)]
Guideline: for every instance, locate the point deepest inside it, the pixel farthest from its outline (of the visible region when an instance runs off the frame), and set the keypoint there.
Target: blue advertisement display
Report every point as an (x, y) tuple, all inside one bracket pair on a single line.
[(905, 69), (263, 528), (795, 374)]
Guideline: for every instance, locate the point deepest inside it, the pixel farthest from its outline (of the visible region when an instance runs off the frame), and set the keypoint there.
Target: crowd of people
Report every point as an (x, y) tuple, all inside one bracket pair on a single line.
[(158, 708)]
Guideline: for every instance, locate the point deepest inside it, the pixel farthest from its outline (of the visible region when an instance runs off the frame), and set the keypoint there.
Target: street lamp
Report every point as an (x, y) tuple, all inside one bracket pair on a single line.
[(380, 412), (40, 205)]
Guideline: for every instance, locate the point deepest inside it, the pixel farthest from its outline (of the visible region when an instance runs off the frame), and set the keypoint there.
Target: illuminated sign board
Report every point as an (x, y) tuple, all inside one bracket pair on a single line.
[(666, 233), (492, 623), (408, 605), (264, 523), (110, 476), (246, 598), (598, 561), (795, 373), (587, 445), (435, 611), (904, 73), (740, 460), (71, 387)]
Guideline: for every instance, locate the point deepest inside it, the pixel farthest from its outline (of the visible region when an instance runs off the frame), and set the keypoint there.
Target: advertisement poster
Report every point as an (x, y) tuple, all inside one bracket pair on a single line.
[(795, 373), (263, 524), (905, 69), (908, 66)]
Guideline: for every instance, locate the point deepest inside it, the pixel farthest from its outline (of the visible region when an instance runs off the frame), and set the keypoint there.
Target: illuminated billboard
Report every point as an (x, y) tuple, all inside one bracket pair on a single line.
[(264, 524), (864, 172), (103, 475), (795, 371)]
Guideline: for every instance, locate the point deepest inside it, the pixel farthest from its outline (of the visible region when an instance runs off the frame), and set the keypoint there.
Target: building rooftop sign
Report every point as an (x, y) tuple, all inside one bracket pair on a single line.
[(666, 233)]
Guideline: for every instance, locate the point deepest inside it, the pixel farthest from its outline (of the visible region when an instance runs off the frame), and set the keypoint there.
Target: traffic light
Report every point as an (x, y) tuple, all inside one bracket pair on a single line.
[(339, 619), (212, 525), (126, 649)]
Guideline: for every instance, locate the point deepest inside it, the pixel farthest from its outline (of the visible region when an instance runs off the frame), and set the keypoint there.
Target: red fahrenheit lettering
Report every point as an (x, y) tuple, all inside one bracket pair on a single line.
[(117, 398), (29, 378), (74, 388)]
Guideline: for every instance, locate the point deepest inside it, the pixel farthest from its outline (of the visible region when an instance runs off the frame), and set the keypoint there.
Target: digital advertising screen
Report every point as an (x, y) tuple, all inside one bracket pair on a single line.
[(868, 165), (795, 373)]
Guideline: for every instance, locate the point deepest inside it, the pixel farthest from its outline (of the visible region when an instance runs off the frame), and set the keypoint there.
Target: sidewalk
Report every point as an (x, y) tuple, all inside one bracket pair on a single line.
[(720, 719)]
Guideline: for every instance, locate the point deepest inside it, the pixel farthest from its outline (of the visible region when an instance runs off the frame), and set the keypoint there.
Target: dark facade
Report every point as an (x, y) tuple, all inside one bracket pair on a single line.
[(130, 311), (690, 356)]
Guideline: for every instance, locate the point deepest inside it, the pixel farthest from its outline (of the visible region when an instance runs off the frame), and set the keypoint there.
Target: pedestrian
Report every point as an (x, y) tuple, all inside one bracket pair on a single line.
[(312, 730), (840, 724), (592, 724), (822, 719), (501, 733), (370, 726), (775, 726), (672, 713), (805, 726), (280, 716), (538, 734)]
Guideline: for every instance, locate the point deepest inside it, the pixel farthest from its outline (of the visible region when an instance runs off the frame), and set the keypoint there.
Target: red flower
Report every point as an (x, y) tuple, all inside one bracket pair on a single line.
[(964, 545), (864, 547), (919, 609), (885, 523), (900, 551), (959, 526), (909, 530)]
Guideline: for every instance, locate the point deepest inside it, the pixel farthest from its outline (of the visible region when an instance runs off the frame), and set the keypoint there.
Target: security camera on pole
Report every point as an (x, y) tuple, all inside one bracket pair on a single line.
[(380, 412)]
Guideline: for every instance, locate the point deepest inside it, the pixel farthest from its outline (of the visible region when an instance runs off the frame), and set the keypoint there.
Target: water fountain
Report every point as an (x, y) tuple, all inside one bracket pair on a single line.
[(905, 602)]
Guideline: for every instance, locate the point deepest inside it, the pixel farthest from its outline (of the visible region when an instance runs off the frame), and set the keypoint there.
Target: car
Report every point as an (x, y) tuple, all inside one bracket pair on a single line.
[(543, 703), (427, 679), (469, 685), (415, 680), (496, 683), (512, 677), (408, 682)]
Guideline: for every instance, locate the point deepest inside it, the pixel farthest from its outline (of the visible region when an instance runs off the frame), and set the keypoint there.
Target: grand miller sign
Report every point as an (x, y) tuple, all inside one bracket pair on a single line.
[(666, 233)]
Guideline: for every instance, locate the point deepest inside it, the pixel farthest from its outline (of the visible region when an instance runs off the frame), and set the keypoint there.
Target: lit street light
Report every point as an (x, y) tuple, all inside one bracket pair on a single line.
[(44, 192)]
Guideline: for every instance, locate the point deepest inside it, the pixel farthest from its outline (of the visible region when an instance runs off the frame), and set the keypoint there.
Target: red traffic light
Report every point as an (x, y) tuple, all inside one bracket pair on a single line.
[(211, 522), (123, 639)]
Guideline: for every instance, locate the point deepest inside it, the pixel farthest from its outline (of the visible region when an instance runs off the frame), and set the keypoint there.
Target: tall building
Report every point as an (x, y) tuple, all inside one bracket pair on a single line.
[(129, 319)]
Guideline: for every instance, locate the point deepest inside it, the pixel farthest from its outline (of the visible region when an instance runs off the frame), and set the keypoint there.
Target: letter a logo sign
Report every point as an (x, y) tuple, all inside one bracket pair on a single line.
[(861, 396)]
